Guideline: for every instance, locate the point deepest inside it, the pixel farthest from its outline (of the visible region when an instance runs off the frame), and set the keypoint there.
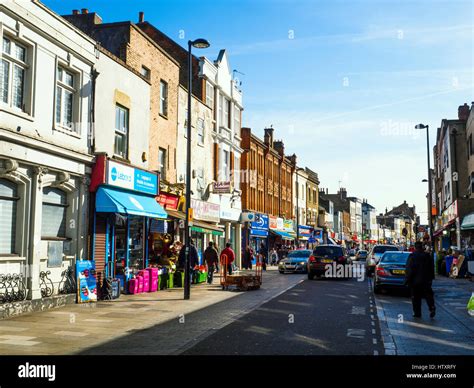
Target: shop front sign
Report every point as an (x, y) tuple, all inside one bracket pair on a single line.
[(450, 214), (221, 187), (288, 226), (168, 201), (259, 227), (205, 211), (131, 178), (229, 214)]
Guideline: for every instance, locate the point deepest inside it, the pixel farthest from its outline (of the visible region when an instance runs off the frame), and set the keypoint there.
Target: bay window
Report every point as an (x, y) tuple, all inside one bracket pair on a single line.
[(54, 213), (121, 131), (200, 131), (13, 68), (65, 97), (8, 208)]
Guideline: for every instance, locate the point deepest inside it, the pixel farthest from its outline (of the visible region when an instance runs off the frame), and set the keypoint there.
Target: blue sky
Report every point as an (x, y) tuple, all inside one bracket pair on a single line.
[(342, 82)]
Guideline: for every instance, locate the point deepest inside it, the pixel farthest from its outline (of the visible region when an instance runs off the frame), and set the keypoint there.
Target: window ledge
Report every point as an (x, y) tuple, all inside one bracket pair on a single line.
[(56, 239), (16, 112), (66, 131), (12, 257), (163, 116), (200, 145), (120, 158)]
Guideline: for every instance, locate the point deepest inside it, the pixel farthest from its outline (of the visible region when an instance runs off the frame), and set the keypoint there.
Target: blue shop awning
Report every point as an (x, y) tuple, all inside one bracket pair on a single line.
[(282, 234), (109, 200)]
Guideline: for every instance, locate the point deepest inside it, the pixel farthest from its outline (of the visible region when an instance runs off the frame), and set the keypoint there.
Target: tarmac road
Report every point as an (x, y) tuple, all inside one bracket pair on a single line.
[(318, 317)]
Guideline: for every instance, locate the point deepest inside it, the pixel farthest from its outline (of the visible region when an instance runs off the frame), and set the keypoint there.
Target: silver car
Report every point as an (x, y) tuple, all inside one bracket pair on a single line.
[(295, 262)]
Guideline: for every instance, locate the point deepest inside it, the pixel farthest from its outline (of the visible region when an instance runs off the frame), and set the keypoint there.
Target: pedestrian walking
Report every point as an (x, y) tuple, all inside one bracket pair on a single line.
[(211, 257), (227, 258), (419, 278), (193, 259), (273, 256)]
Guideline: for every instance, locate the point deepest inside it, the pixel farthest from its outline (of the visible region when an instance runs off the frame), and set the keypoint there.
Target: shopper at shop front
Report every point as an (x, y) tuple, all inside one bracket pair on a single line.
[(247, 260), (193, 259), (227, 257), (419, 277), (211, 258)]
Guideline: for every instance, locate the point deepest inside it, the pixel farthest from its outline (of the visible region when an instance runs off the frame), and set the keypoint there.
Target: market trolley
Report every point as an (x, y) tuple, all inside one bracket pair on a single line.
[(249, 280)]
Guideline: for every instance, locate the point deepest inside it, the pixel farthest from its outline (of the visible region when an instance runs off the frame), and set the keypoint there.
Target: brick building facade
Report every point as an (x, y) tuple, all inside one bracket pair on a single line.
[(269, 187), (129, 43)]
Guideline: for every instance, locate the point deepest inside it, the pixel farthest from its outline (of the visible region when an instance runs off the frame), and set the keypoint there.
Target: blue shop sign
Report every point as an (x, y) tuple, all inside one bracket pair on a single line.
[(259, 227), (131, 178)]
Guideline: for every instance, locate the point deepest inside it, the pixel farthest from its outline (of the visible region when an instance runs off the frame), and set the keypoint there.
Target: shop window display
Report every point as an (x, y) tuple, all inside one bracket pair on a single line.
[(136, 243)]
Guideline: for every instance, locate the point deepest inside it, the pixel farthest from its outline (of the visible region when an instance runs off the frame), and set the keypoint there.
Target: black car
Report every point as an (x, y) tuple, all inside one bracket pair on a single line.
[(325, 256)]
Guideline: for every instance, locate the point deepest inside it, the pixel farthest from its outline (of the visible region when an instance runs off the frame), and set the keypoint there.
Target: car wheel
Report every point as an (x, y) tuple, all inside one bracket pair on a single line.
[(377, 290), (310, 276), (281, 271)]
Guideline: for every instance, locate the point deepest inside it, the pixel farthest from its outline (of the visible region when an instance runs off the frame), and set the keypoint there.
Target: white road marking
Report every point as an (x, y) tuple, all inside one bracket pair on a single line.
[(355, 333), (374, 341)]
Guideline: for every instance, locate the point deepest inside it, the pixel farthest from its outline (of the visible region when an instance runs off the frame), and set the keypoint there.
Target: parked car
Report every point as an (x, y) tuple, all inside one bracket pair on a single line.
[(352, 252), (390, 271), (375, 254), (324, 255), (296, 261)]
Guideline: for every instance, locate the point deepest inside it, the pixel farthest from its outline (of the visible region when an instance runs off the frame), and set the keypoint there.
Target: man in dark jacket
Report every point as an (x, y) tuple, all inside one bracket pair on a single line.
[(193, 258), (211, 258), (419, 277)]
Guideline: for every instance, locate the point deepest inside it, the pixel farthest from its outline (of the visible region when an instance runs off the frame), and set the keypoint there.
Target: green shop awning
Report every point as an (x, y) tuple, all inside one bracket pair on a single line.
[(203, 230), (111, 200), (204, 227), (468, 222)]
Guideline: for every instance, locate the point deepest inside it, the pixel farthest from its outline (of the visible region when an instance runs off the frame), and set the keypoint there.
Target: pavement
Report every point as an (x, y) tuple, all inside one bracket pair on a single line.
[(93, 328), (289, 315), (451, 332)]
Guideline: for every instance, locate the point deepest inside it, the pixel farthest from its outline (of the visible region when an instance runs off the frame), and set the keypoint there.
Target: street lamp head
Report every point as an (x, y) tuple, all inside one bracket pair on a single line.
[(425, 180), (420, 126), (200, 43)]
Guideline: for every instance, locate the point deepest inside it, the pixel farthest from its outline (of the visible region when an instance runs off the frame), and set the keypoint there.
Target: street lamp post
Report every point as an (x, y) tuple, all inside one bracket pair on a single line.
[(198, 43), (430, 188)]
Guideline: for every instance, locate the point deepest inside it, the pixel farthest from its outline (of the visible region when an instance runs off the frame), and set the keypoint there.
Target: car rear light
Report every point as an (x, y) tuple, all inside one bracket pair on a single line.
[(381, 272), (312, 259)]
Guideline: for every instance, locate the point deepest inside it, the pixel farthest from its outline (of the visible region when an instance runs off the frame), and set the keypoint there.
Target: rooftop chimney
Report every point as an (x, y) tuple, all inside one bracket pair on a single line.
[(141, 17), (84, 11), (463, 112), (268, 137), (279, 147), (343, 193), (75, 12)]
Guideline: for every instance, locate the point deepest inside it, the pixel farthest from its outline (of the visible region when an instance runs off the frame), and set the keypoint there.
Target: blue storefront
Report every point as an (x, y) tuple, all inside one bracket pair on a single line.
[(256, 233), (125, 214)]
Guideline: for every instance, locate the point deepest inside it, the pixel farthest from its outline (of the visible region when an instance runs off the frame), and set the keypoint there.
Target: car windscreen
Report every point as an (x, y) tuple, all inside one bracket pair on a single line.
[(328, 251), (383, 249), (299, 254), (395, 258), (362, 252)]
